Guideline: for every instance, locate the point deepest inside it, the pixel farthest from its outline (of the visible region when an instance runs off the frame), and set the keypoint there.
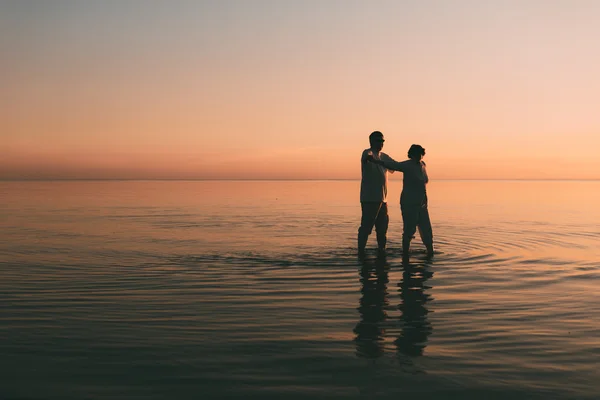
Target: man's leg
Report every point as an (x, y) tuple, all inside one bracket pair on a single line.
[(425, 229), (369, 216), (410, 219), (381, 226)]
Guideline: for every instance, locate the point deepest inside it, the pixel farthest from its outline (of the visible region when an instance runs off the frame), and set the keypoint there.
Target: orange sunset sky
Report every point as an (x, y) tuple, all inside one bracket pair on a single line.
[(254, 89)]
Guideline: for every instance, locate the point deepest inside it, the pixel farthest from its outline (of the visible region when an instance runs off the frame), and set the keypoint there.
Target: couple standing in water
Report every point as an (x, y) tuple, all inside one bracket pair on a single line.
[(373, 196)]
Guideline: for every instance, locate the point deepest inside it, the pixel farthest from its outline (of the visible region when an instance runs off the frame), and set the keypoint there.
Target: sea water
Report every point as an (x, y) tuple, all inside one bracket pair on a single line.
[(253, 289)]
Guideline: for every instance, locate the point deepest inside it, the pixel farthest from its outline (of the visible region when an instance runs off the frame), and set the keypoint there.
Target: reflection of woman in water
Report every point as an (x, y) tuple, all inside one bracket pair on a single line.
[(416, 328), (413, 200)]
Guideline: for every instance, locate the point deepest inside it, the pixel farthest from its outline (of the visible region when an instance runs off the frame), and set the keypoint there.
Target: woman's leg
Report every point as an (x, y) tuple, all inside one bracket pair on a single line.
[(425, 230), (410, 219)]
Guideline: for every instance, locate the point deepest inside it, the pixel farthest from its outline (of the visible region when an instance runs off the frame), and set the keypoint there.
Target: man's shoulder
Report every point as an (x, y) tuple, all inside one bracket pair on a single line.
[(364, 154), (384, 156)]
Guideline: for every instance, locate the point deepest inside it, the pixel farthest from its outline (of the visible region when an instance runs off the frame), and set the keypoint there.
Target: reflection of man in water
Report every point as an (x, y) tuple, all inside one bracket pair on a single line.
[(373, 302), (416, 328), (413, 200), (373, 194)]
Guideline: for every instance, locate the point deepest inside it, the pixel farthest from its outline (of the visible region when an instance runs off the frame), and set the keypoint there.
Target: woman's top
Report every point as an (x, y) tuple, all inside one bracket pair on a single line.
[(415, 180)]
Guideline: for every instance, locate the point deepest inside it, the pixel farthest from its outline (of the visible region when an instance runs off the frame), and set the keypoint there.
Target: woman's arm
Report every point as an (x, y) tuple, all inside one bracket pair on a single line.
[(393, 165), (424, 169), (388, 163)]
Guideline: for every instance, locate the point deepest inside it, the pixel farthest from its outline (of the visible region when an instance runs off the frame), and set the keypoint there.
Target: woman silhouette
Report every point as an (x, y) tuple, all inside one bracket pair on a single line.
[(413, 200)]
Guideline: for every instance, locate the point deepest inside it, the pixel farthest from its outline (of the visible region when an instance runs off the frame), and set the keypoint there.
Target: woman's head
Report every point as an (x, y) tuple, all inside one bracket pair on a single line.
[(416, 152)]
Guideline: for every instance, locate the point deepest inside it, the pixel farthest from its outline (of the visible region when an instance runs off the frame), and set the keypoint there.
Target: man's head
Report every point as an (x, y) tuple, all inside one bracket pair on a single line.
[(376, 141), (416, 152)]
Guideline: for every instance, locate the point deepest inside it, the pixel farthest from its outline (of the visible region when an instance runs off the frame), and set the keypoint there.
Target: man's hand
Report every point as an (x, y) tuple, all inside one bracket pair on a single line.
[(372, 159)]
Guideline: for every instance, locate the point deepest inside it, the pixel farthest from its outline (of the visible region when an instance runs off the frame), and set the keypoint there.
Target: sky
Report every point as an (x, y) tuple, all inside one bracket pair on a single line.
[(279, 89)]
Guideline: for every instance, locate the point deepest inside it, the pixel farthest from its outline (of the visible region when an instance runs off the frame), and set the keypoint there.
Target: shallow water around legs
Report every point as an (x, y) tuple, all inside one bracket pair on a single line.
[(200, 290)]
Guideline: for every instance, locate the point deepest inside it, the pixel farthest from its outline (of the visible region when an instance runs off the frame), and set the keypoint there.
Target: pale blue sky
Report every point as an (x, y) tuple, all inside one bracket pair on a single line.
[(297, 82)]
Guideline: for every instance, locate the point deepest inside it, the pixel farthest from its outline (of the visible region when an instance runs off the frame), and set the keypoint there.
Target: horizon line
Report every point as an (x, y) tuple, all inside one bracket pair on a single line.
[(271, 179)]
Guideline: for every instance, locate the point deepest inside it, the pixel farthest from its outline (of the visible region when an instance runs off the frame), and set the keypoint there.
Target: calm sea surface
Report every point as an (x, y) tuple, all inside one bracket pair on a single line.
[(201, 290)]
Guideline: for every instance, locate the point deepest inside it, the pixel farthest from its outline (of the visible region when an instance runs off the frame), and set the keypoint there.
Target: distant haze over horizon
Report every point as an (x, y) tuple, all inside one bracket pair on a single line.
[(263, 89)]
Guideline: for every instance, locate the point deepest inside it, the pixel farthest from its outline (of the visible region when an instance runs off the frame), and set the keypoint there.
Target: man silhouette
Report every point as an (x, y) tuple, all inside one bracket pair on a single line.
[(373, 194)]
